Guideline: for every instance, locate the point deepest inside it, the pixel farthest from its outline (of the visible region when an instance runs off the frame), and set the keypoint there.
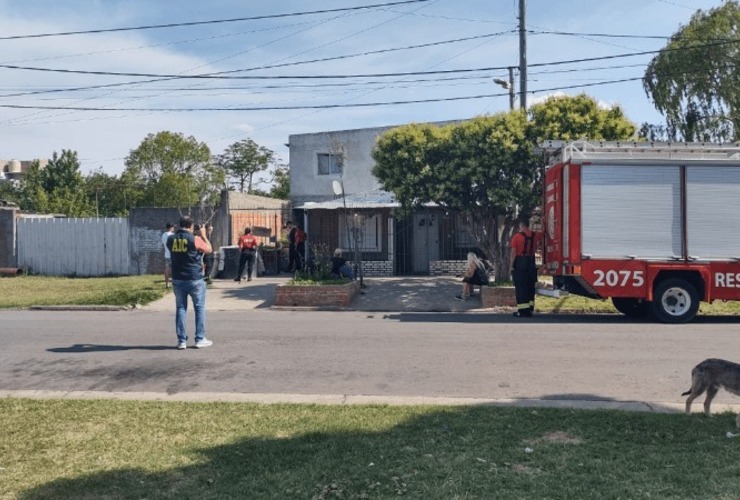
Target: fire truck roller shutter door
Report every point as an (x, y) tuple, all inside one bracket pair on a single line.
[(631, 211), (713, 211)]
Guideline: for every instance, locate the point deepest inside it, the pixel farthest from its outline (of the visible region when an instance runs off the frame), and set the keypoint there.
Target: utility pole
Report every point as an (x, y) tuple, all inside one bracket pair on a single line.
[(523, 54)]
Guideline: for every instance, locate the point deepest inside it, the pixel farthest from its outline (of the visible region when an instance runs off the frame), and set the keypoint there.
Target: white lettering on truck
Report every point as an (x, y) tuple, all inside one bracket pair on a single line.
[(619, 278), (727, 280)]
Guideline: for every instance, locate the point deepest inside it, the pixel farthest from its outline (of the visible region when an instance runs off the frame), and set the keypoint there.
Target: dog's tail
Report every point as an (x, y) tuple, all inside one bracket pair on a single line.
[(686, 393)]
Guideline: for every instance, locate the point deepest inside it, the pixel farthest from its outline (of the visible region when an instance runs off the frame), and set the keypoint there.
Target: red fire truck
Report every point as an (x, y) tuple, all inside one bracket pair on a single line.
[(655, 227)]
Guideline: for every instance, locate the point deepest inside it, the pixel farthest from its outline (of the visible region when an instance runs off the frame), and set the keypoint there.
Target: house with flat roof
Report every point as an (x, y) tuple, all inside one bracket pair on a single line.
[(341, 205)]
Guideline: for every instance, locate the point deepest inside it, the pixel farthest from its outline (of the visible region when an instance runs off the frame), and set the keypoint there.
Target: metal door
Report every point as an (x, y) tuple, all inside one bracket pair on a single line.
[(426, 241)]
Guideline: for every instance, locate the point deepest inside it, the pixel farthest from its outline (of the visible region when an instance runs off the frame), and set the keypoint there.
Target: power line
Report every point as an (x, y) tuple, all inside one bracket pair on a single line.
[(295, 63), (228, 75), (321, 106), (601, 35), (213, 21)]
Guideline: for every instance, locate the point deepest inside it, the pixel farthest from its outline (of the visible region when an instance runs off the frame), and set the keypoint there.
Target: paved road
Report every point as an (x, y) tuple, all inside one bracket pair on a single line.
[(352, 353)]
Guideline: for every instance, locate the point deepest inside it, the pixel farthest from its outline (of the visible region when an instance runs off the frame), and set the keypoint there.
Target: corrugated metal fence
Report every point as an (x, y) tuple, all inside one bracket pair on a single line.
[(73, 247)]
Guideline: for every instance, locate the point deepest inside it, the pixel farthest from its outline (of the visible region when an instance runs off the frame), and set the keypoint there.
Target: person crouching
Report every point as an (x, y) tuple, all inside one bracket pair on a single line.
[(339, 266)]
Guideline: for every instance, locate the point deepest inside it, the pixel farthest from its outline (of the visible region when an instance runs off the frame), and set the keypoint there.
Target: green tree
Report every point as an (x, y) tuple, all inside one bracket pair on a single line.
[(56, 188), (107, 193), (695, 80), (479, 168), (486, 168), (281, 183), (31, 193), (569, 118), (242, 160), (65, 187), (170, 170)]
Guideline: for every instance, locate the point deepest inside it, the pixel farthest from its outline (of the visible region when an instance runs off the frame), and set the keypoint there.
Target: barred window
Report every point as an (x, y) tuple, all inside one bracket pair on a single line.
[(368, 232)]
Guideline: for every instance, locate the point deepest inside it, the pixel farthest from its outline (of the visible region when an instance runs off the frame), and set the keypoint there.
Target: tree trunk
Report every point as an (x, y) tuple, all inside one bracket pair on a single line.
[(492, 234)]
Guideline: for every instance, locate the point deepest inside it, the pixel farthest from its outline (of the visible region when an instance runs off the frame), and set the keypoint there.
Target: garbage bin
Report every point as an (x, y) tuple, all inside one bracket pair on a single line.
[(228, 258)]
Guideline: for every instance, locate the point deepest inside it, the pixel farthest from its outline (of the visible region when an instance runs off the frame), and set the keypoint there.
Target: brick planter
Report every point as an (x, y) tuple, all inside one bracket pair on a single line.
[(498, 296), (316, 295)]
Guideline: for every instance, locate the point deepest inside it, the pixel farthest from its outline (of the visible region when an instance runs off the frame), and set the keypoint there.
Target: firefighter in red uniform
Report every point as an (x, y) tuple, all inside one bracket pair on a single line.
[(248, 246), (523, 269)]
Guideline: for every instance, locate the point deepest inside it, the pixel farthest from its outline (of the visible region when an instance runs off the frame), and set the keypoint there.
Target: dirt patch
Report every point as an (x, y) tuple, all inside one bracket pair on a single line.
[(557, 437), (524, 469)]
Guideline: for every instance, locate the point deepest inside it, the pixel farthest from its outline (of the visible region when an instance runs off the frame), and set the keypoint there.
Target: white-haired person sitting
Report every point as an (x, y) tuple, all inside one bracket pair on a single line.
[(339, 266), (475, 274)]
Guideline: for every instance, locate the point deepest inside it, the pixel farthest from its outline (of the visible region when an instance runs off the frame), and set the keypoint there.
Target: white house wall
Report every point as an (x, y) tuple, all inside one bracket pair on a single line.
[(305, 182)]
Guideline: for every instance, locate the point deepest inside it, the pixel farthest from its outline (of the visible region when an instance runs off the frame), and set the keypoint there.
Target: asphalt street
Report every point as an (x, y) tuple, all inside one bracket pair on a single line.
[(465, 355)]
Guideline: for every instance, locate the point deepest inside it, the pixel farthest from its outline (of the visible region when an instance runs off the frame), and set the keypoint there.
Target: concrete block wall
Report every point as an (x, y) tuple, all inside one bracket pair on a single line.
[(377, 268), (146, 226), (447, 267), (8, 256)]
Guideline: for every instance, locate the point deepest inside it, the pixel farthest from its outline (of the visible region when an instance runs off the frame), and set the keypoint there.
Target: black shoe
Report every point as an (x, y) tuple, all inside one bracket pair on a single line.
[(523, 314), (460, 297)]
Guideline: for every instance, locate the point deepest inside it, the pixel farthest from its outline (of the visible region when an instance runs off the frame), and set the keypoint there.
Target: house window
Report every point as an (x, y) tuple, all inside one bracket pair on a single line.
[(328, 164), (367, 229), (463, 239)]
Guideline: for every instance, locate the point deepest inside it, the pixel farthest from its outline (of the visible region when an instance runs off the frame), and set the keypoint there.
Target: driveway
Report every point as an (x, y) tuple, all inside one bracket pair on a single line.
[(407, 294)]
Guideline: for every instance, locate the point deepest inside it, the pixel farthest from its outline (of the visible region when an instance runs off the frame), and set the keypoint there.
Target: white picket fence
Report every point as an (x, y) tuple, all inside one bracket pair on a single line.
[(73, 247)]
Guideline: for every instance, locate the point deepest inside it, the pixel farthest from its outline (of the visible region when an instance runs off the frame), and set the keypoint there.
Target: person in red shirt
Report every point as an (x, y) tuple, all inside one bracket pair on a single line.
[(248, 247), (300, 247), (523, 269)]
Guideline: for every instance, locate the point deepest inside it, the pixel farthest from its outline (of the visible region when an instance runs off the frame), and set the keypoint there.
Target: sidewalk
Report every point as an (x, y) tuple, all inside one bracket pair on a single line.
[(395, 294)]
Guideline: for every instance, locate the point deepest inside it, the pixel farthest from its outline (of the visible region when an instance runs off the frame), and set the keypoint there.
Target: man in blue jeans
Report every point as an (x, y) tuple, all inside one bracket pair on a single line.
[(187, 280)]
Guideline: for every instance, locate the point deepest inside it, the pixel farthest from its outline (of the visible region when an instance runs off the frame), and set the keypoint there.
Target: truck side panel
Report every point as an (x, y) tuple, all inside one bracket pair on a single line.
[(713, 212), (553, 227)]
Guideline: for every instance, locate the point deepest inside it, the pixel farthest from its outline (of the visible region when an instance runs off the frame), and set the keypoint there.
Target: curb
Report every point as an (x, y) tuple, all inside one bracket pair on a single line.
[(345, 399), (81, 308)]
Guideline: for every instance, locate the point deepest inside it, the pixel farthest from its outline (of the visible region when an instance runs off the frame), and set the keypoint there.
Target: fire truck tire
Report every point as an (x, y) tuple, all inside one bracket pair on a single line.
[(632, 308), (674, 301)]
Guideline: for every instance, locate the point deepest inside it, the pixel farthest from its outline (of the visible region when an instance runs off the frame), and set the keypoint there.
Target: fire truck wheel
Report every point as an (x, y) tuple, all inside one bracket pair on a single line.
[(632, 308), (674, 301)]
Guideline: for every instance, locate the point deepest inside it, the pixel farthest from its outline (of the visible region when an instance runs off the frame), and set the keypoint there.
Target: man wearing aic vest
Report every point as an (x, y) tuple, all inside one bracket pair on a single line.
[(186, 252), (523, 269)]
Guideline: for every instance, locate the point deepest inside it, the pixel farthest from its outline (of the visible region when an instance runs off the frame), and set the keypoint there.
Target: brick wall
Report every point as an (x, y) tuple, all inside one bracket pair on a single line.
[(377, 268), (7, 237), (498, 296), (316, 295), (447, 267)]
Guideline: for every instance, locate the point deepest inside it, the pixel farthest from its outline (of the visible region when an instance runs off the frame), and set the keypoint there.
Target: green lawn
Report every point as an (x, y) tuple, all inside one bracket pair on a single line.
[(577, 304), (26, 291), (127, 449)]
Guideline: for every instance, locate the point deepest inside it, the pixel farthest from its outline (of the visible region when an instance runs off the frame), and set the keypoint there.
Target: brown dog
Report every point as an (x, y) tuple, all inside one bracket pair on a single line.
[(709, 376)]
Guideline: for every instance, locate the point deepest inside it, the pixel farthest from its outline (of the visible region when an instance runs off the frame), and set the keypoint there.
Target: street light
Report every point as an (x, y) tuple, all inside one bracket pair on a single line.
[(508, 85)]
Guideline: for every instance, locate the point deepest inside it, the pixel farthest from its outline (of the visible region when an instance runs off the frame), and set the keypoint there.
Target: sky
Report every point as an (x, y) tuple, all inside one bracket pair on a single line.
[(136, 106)]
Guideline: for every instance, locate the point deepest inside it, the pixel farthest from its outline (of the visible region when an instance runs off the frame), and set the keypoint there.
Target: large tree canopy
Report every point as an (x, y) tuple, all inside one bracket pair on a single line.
[(695, 80), (486, 168), (58, 188), (171, 170), (242, 160)]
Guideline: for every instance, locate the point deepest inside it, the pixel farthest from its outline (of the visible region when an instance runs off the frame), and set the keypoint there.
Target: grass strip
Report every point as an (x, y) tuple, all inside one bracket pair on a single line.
[(129, 449), (577, 304), (27, 291)]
